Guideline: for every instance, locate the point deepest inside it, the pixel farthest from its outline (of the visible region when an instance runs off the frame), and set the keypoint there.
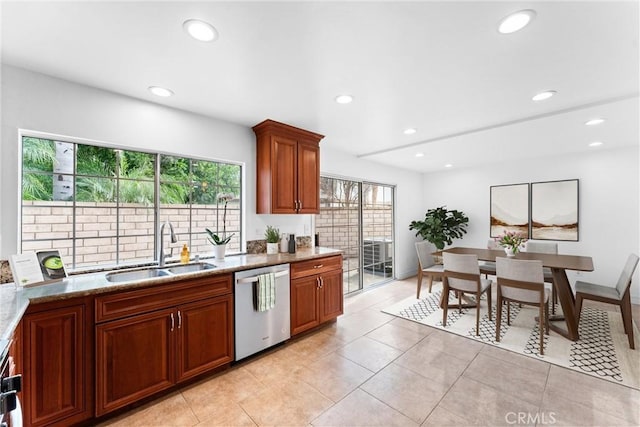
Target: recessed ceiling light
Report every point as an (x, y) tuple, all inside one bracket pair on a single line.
[(448, 165), (544, 95), (200, 30), (419, 154), (516, 21), (595, 144), (160, 91), (344, 99), (594, 122), (410, 131)]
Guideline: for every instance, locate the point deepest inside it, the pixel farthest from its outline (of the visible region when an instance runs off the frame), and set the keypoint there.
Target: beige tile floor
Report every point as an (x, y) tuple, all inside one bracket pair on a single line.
[(372, 369)]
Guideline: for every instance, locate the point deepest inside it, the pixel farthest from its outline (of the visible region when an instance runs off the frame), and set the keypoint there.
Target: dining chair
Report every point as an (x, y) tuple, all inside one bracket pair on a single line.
[(545, 248), (426, 264), (462, 274), (489, 267), (620, 295), (522, 281)]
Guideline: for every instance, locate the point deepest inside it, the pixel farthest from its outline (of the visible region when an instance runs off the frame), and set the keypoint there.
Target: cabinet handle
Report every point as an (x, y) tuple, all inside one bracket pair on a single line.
[(173, 323), (318, 266), (299, 204), (321, 282), (318, 282), (179, 319)]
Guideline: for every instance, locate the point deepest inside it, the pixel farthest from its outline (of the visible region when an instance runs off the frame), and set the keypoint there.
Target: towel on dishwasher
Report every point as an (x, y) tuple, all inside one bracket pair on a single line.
[(266, 291)]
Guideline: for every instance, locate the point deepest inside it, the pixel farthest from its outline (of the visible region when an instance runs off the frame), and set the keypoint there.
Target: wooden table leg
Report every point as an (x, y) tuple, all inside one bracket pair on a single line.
[(567, 302)]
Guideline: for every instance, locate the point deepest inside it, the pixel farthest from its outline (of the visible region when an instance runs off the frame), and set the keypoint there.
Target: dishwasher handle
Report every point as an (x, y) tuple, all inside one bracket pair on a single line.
[(255, 278)]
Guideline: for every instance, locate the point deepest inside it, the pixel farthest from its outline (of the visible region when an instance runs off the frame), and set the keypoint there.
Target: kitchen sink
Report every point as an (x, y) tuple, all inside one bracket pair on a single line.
[(128, 276), (190, 268)]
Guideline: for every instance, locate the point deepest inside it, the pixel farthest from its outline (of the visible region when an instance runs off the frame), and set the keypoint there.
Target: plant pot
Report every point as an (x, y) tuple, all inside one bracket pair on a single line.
[(272, 248), (510, 251), (220, 251)]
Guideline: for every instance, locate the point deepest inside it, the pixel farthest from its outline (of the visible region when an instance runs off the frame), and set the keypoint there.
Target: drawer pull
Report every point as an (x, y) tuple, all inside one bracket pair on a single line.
[(318, 266)]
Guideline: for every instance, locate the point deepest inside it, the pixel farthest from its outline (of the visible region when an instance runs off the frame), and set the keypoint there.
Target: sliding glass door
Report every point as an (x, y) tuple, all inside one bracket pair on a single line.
[(357, 217)]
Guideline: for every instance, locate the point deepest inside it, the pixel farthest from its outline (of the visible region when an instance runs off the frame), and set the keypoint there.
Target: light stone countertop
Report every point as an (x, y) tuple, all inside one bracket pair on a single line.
[(14, 301)]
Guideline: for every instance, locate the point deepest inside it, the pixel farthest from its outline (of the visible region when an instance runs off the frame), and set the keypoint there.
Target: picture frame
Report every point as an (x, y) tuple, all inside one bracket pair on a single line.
[(555, 210), (509, 209)]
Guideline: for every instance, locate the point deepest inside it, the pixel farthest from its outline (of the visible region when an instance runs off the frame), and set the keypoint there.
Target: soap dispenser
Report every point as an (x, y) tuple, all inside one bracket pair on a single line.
[(184, 255)]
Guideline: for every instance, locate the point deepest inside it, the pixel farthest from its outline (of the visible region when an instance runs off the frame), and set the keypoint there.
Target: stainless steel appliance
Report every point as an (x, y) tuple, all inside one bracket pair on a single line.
[(10, 384), (256, 331)]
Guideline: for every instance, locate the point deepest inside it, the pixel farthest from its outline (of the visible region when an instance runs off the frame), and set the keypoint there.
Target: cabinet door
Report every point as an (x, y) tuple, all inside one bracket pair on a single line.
[(304, 304), (331, 296), (205, 336), (134, 358), (284, 180), (308, 178), (55, 372)]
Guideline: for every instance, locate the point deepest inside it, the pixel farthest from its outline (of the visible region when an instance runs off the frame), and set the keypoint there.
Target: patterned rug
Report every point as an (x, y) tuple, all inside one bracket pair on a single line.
[(602, 350)]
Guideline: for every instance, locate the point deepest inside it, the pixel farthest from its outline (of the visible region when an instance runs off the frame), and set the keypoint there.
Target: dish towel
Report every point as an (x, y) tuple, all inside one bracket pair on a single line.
[(266, 291)]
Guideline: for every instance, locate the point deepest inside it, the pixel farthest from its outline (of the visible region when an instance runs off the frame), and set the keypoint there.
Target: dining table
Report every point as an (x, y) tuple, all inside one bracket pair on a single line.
[(559, 264)]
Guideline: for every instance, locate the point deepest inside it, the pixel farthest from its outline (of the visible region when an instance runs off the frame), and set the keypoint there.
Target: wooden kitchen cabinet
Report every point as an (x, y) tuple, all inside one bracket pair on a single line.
[(316, 292), (150, 339), (205, 339), (58, 369), (134, 359), (288, 169)]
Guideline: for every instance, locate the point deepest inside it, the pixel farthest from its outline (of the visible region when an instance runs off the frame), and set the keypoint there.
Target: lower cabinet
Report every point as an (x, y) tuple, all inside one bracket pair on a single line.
[(142, 354), (57, 369), (316, 292)]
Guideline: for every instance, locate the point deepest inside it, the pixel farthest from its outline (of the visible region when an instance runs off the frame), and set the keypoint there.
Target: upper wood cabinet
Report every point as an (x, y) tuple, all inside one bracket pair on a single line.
[(288, 169)]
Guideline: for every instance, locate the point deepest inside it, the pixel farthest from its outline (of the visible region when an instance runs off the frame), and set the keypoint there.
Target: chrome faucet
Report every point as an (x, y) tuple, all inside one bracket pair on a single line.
[(174, 239)]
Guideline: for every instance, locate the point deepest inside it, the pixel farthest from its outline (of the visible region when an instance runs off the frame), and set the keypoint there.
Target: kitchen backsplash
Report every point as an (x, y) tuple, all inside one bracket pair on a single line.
[(260, 246), (5, 271)]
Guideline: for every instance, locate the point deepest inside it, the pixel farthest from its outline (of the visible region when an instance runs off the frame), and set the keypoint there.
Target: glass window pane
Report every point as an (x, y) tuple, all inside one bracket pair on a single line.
[(96, 161), (140, 192), (137, 165), (37, 186), (174, 169), (92, 189), (38, 155)]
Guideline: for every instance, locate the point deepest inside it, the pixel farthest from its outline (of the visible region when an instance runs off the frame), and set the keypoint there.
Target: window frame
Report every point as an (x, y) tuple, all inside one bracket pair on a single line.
[(22, 133)]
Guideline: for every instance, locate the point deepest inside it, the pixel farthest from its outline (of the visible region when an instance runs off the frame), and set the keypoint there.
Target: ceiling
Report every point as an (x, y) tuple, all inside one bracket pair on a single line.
[(439, 67)]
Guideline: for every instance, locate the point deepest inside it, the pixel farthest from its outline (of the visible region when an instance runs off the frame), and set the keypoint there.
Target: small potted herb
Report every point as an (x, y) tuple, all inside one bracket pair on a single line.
[(272, 235)]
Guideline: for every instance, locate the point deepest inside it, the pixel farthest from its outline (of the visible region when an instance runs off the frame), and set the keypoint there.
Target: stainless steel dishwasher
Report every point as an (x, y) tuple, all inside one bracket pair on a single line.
[(255, 330)]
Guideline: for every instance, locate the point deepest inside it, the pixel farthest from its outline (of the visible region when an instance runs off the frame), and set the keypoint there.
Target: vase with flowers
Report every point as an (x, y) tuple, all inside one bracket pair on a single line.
[(512, 242), (219, 241)]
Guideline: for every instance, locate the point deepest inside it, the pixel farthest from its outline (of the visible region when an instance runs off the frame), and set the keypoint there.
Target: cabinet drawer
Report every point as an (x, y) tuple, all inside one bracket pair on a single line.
[(315, 266), (127, 303)]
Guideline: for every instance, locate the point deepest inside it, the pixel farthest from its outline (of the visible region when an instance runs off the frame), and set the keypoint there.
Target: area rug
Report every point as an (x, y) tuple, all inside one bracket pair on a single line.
[(602, 350)]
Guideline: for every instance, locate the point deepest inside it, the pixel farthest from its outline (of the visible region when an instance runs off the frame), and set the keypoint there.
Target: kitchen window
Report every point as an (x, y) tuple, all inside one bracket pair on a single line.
[(101, 206)]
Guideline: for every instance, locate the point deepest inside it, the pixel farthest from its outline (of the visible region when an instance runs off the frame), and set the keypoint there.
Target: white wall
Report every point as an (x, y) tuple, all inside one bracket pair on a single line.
[(41, 103), (608, 204)]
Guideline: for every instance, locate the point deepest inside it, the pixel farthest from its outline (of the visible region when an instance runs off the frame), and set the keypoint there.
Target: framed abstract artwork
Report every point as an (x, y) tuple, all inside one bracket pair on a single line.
[(509, 209), (554, 210)]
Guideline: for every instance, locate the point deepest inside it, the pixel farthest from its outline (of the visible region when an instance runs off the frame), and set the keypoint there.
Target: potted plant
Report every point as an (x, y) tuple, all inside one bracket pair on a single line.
[(218, 241), (512, 242), (272, 235), (440, 226)]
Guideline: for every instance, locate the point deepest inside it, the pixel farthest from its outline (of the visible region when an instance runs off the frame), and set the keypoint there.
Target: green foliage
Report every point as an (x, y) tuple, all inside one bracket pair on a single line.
[(272, 234), (441, 226), (214, 239), (109, 175)]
